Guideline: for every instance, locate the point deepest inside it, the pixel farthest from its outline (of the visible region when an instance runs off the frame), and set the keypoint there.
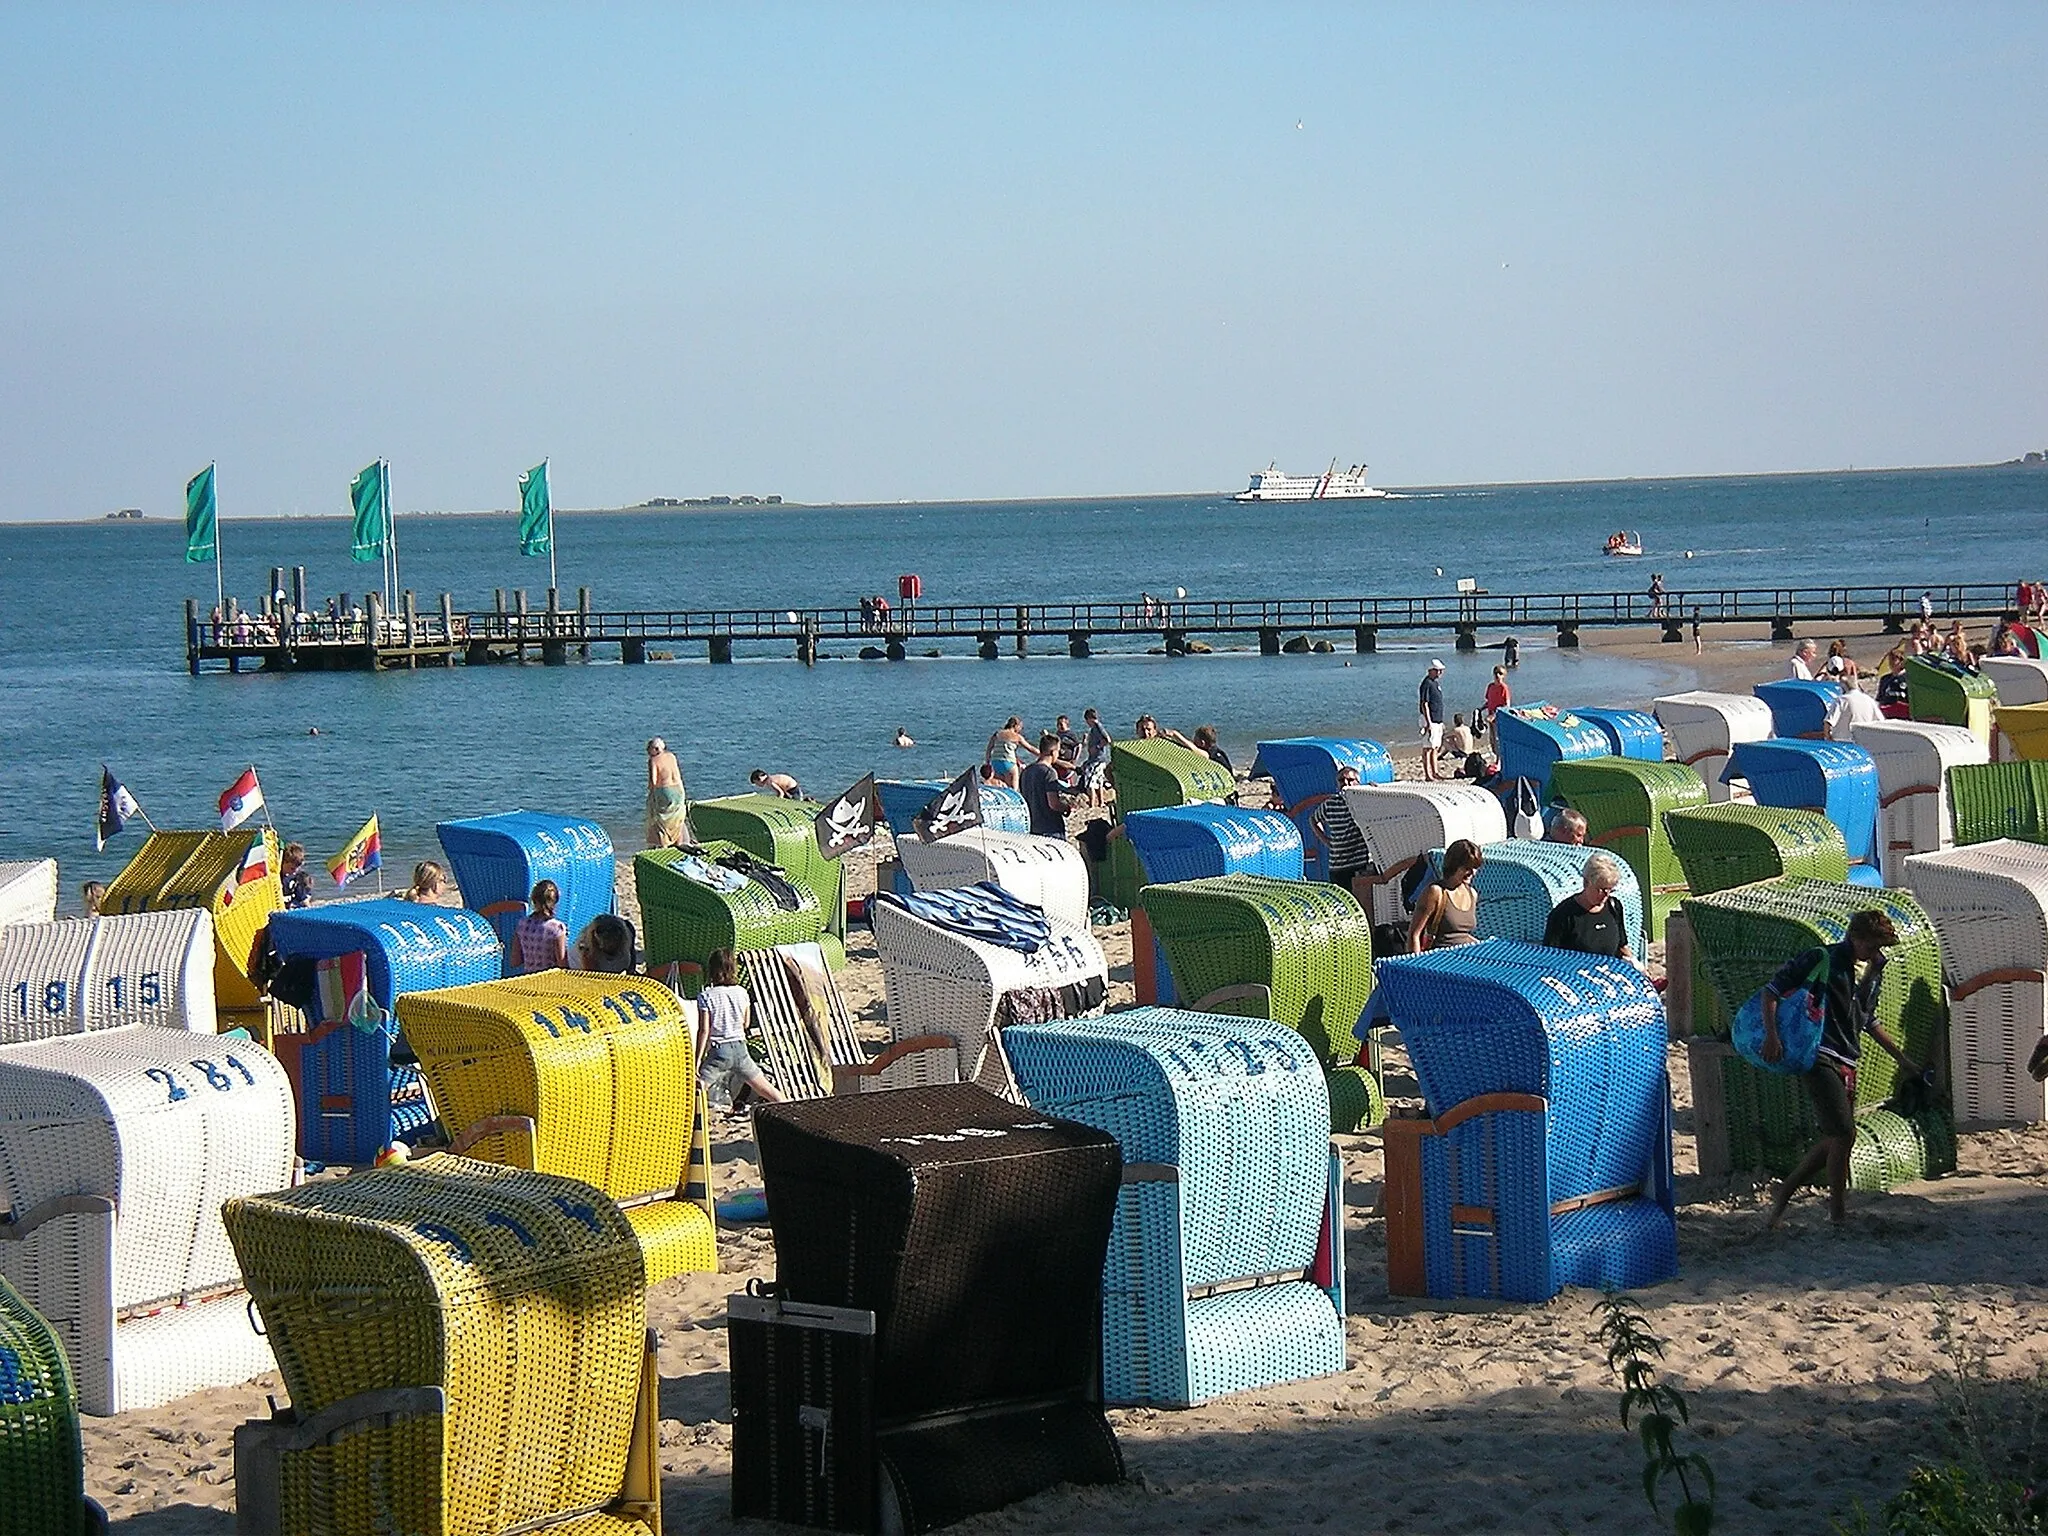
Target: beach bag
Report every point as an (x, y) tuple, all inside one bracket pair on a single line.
[(1528, 814), (1801, 1013)]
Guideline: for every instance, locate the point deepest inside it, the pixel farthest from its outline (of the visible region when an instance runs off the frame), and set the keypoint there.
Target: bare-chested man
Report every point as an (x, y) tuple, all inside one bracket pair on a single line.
[(668, 808)]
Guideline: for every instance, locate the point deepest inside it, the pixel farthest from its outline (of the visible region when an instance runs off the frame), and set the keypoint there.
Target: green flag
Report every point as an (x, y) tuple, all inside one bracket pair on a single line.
[(201, 544), (368, 493), (536, 513)]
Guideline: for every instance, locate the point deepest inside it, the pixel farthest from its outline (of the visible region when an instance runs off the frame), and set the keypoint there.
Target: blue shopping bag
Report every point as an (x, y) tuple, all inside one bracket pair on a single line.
[(1801, 1013)]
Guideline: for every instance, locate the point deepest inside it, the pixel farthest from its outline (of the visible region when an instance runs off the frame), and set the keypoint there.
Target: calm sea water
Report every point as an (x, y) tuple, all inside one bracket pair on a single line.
[(91, 636)]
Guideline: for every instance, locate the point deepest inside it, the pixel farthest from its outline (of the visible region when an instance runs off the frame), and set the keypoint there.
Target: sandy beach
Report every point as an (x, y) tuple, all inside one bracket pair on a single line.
[(1813, 1357)]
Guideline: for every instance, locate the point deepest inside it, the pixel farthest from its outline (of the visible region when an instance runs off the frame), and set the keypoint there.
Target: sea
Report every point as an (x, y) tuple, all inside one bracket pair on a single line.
[(91, 637)]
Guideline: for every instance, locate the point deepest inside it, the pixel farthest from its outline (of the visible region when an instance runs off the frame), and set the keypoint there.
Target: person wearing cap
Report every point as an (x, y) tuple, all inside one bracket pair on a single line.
[(1847, 976), (1430, 704)]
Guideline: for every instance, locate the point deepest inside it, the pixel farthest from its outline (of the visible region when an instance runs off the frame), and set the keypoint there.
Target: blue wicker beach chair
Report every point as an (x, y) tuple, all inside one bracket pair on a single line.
[(1002, 808), (1799, 708), (1630, 732), (1198, 842), (1521, 881), (1225, 1270), (499, 859), (353, 1101), (1836, 778), (1547, 1158), (1304, 774), (1535, 739)]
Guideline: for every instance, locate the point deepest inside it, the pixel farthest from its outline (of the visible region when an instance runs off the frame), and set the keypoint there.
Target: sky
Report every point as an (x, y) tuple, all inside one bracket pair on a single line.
[(878, 252)]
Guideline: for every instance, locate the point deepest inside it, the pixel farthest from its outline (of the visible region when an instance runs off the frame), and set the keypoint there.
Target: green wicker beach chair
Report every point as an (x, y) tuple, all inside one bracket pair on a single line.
[(1994, 800), (1742, 936), (1149, 775), (1722, 846), (1624, 801), (682, 922), (1936, 693), (1296, 952), (42, 1470), (783, 832)]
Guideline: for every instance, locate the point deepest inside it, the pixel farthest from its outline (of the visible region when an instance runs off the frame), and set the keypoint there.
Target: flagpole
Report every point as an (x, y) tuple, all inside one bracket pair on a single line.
[(220, 585), (391, 534)]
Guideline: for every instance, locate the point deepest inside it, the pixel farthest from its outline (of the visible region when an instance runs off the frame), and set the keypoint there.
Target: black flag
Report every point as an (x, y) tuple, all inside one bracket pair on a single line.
[(848, 822), (957, 808)]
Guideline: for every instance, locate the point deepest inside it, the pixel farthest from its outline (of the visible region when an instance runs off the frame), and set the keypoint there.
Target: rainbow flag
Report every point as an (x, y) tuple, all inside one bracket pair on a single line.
[(359, 855)]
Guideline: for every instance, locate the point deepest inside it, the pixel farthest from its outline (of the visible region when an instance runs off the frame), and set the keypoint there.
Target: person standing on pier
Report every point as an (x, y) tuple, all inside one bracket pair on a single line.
[(668, 807), (1430, 706)]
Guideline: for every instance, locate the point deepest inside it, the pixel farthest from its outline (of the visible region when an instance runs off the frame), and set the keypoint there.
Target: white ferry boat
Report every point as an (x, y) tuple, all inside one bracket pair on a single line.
[(1334, 484)]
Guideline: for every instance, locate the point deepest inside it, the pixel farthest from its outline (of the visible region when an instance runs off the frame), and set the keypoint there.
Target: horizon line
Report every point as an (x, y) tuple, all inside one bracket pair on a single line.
[(698, 504)]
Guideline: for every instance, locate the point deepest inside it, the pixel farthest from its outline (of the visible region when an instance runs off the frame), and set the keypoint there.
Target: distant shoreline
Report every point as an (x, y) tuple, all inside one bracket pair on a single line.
[(698, 507)]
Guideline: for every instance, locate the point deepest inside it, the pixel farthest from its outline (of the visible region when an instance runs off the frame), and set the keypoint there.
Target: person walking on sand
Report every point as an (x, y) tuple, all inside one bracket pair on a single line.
[(1005, 746), (1045, 798), (668, 808), (1498, 698), (1847, 975), (1430, 711), (722, 1010)]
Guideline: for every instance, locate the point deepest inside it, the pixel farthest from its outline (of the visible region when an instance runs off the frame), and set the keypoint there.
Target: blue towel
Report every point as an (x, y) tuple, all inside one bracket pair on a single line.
[(983, 911)]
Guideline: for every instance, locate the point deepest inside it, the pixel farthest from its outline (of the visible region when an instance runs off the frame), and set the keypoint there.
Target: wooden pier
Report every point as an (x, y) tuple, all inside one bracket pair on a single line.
[(285, 637)]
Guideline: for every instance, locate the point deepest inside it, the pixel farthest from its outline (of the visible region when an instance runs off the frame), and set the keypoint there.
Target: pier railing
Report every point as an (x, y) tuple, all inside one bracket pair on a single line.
[(282, 637)]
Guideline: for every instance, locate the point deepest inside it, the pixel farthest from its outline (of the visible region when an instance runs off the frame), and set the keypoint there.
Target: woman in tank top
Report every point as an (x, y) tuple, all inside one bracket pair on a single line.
[(1447, 912)]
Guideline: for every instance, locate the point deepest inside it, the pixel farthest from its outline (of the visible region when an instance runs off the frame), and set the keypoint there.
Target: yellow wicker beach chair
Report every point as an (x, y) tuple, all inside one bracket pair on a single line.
[(592, 1077), (177, 870), (467, 1353)]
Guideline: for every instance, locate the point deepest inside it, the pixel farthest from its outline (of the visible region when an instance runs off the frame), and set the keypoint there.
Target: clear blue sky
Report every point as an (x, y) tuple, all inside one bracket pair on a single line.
[(870, 252)]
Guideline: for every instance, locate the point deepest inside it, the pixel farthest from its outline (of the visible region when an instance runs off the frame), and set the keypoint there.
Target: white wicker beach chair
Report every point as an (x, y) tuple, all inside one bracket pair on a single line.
[(795, 997), (28, 891), (1401, 823), (940, 983), (1989, 903), (1705, 726), (80, 976), (116, 1151), (1913, 758), (2018, 679), (1048, 872)]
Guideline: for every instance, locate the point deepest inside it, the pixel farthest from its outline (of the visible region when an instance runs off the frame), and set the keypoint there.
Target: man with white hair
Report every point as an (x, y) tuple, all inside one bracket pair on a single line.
[(1853, 708), (668, 808), (1804, 657), (1591, 920), (1567, 826)]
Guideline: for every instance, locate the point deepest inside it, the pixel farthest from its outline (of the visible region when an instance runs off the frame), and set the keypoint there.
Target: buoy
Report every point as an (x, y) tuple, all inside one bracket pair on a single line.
[(1688, 554)]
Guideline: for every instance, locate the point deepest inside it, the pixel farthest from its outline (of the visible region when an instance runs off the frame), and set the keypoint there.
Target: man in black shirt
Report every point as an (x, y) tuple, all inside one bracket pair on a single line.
[(1591, 921), (1045, 798), (1848, 975)]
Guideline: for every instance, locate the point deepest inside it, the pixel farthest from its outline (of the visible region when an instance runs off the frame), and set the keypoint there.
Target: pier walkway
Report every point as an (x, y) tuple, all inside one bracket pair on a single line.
[(285, 637)]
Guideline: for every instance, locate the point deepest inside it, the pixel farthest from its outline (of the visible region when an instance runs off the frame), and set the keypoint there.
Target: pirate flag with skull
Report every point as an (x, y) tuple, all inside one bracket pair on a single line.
[(849, 822), (956, 808)]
